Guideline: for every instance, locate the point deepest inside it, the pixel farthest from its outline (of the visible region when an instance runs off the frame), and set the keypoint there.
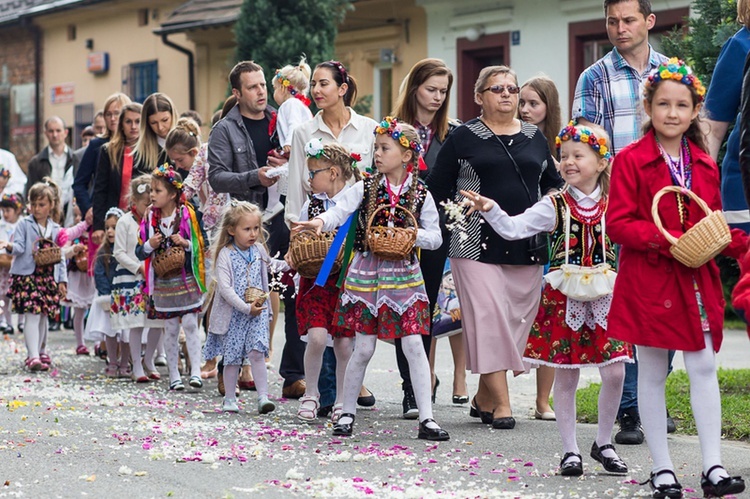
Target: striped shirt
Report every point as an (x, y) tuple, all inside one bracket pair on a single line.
[(609, 93)]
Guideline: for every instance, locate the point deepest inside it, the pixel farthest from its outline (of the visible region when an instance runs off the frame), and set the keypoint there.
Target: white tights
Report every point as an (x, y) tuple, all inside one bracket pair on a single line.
[(136, 335), (172, 344), (566, 383), (35, 333), (705, 401), (316, 345), (260, 376), (419, 370), (79, 314)]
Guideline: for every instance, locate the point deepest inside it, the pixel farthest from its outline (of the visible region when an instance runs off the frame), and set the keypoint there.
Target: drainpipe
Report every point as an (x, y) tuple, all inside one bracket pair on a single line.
[(191, 67), (37, 33)]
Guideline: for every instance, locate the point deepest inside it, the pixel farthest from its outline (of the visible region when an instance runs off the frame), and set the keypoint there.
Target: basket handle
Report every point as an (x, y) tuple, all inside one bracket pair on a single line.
[(655, 208), (383, 207)]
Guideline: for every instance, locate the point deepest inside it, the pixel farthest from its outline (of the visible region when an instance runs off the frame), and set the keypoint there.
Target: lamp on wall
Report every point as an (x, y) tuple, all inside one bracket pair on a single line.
[(474, 33)]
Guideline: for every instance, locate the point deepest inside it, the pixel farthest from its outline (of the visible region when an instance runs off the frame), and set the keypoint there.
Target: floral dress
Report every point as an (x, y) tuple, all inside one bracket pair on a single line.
[(245, 332), (36, 293)]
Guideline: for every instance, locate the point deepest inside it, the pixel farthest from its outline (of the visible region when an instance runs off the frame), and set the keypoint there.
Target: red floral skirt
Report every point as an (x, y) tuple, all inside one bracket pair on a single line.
[(316, 306), (552, 342), (388, 325)]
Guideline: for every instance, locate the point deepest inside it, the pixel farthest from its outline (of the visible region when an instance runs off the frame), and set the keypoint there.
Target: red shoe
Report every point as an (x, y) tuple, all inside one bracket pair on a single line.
[(82, 350), (140, 379), (154, 376), (246, 385), (45, 359), (34, 364)]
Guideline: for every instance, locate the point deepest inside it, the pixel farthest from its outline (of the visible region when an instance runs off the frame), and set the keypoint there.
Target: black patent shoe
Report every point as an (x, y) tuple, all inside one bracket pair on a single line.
[(504, 423), (727, 485), (670, 490), (571, 468), (476, 412), (433, 434), (611, 464), (344, 429)]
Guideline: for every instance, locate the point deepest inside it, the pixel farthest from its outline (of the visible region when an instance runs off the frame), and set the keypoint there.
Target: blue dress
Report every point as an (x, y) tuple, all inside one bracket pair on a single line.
[(245, 332)]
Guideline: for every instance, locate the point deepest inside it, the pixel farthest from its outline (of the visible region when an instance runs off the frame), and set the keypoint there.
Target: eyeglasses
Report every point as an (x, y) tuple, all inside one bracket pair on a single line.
[(498, 89), (311, 173), (112, 114)]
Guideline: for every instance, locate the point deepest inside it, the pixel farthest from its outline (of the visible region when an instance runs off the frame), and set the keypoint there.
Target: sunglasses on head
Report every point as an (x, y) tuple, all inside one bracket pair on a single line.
[(498, 89)]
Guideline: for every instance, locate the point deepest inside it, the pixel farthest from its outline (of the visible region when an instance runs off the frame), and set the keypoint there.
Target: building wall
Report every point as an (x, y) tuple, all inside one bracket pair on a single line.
[(113, 28), (17, 130)]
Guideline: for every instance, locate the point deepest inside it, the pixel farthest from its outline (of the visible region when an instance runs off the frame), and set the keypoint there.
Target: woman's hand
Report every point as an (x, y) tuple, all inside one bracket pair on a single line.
[(476, 202), (315, 224), (154, 241), (180, 241), (257, 307), (97, 237)]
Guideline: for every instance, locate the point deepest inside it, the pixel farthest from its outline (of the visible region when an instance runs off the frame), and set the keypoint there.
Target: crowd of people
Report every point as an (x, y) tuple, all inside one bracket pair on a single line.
[(173, 251)]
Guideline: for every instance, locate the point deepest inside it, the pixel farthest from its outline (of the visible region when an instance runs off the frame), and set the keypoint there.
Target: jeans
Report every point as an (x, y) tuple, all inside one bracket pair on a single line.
[(327, 379), (629, 398)]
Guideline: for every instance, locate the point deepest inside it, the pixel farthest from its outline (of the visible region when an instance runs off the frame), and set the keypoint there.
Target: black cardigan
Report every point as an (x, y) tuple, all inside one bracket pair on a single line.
[(108, 183), (472, 158)]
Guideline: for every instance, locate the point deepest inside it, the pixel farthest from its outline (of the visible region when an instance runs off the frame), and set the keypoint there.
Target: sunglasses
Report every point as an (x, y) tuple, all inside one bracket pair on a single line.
[(498, 89), (311, 173)]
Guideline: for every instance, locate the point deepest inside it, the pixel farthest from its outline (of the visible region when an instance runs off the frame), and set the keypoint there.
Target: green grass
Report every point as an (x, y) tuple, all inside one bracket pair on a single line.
[(735, 403)]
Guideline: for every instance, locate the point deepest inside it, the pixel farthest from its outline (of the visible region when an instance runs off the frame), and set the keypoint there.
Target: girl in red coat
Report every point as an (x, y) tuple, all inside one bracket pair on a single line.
[(660, 304)]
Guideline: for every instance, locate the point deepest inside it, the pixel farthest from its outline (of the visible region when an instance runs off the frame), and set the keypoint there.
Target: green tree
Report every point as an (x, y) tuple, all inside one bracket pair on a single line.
[(274, 33)]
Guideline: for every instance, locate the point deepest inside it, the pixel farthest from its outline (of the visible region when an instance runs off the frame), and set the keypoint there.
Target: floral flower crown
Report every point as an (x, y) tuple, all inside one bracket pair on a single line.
[(4, 172), (676, 69), (169, 174), (392, 127), (285, 83), (12, 201), (114, 211), (579, 133), (315, 149)]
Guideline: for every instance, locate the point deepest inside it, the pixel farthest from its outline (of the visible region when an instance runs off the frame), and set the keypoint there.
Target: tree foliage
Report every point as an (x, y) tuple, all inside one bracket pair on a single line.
[(713, 23), (274, 33)]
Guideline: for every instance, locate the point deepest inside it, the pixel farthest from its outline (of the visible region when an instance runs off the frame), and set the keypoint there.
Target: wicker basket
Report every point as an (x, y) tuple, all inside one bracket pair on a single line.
[(169, 262), (703, 241), (253, 295), (308, 249), (47, 253), (391, 243)]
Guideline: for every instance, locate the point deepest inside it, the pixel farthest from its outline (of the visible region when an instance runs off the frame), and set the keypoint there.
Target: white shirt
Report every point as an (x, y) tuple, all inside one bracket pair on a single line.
[(428, 236), (17, 181), (292, 113), (357, 136), (328, 202), (541, 217), (58, 165)]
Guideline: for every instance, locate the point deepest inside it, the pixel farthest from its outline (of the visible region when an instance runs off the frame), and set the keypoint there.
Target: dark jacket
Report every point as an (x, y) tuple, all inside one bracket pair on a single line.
[(84, 181), (40, 167), (430, 156), (745, 130), (233, 166), (107, 186)]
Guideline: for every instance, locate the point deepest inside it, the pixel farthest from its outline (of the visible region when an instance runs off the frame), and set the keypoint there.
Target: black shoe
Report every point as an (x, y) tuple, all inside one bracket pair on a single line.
[(611, 464), (476, 412), (8, 330), (433, 434), (325, 411), (344, 429), (20, 328), (504, 423), (671, 427), (367, 400), (434, 389), (727, 485), (671, 490), (571, 468), (54, 326), (630, 432), (409, 404)]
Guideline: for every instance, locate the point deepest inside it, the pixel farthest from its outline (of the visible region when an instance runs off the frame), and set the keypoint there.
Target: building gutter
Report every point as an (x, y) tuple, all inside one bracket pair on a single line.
[(191, 66)]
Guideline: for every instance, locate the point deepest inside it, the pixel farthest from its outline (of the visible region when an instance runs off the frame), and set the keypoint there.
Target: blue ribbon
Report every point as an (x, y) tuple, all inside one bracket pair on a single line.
[(333, 251)]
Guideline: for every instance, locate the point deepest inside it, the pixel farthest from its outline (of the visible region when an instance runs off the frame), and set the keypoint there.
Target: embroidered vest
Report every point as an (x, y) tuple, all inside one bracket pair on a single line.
[(315, 208), (382, 218), (581, 233)]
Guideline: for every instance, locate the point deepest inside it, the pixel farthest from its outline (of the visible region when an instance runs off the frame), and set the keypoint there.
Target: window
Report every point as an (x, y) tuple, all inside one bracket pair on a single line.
[(142, 17), (84, 116), (382, 90), (141, 79)]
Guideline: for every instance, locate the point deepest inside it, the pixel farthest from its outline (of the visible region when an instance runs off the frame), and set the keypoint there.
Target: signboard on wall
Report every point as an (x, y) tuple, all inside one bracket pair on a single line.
[(98, 62), (63, 93)]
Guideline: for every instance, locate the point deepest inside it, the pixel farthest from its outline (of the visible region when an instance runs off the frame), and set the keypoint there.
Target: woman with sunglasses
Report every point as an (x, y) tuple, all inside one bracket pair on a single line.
[(497, 281)]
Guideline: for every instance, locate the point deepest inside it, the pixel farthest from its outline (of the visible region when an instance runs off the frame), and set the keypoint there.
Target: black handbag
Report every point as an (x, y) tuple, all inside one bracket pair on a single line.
[(538, 243)]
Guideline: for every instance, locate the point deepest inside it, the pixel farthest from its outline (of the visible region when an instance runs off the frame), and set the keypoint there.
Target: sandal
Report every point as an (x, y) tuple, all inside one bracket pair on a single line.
[(308, 408), (111, 371), (82, 350), (336, 412), (177, 385)]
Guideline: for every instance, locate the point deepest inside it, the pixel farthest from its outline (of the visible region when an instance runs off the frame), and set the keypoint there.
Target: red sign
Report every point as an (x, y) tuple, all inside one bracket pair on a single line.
[(98, 62), (63, 93)]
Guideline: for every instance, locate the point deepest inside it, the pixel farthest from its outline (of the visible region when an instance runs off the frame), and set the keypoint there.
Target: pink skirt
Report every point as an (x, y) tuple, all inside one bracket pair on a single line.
[(498, 306)]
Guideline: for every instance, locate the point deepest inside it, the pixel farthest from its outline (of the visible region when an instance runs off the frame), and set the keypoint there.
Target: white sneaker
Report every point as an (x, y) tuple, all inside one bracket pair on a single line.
[(160, 361), (265, 405), (230, 406)]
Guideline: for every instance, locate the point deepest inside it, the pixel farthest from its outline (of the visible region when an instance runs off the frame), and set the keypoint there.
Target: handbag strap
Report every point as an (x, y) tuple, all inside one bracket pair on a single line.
[(515, 165), (567, 237)]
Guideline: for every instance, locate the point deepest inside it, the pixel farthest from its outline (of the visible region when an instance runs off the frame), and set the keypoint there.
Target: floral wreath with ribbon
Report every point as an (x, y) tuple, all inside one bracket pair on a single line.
[(579, 133), (114, 211), (315, 149), (285, 83), (167, 172), (392, 127), (12, 200), (675, 69)]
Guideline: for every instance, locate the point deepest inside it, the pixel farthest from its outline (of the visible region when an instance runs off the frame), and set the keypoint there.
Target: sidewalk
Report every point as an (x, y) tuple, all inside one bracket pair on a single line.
[(72, 432)]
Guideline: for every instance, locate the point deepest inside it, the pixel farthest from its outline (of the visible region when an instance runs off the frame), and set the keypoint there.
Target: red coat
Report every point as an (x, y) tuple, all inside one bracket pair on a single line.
[(654, 302)]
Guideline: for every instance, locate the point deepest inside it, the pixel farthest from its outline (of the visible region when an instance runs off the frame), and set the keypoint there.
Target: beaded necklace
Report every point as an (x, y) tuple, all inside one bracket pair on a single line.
[(681, 172), (589, 218)]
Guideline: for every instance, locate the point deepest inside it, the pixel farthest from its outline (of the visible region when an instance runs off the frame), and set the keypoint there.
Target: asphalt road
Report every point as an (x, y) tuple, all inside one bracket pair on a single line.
[(72, 433)]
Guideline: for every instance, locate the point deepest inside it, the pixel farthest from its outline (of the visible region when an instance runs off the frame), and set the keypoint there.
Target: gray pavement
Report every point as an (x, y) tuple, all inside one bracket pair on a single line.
[(73, 433)]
